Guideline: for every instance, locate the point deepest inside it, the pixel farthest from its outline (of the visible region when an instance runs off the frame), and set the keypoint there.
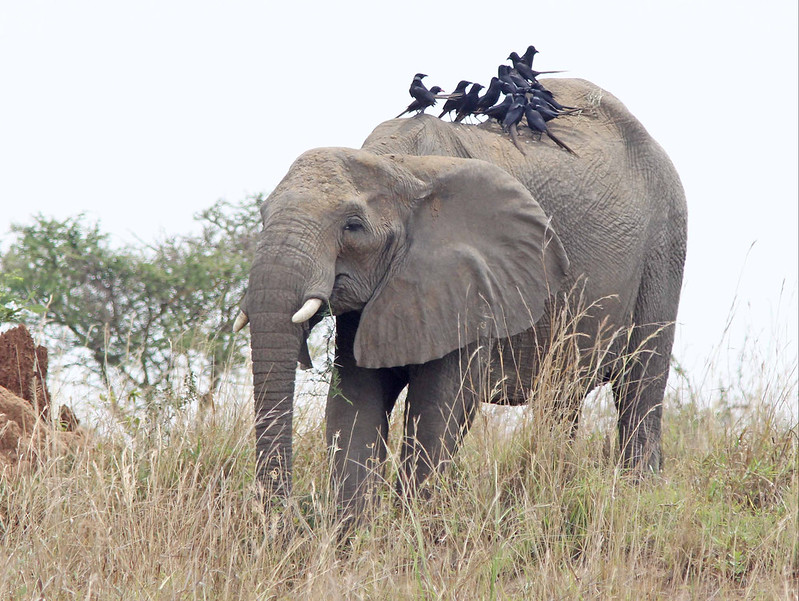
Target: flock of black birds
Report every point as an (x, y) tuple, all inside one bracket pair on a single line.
[(525, 97)]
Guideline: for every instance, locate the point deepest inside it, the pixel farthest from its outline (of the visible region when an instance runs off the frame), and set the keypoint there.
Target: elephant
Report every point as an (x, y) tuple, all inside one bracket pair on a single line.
[(438, 246)]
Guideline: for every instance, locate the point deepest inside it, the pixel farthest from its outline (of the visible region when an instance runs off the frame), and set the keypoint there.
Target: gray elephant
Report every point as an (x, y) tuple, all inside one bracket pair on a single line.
[(436, 239)]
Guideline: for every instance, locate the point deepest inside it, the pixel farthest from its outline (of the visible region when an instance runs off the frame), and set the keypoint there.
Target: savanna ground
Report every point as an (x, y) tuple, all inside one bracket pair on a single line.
[(168, 509)]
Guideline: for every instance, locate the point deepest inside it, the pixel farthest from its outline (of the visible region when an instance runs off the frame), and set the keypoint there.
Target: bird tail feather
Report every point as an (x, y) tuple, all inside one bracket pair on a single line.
[(560, 143), (514, 136)]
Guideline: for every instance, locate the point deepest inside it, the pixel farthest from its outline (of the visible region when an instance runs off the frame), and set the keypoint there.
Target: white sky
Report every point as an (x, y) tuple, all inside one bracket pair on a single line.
[(143, 113)]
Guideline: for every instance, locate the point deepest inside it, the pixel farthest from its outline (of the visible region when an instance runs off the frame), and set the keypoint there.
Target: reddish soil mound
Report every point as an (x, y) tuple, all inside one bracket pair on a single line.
[(25, 431), (18, 431), (24, 437), (23, 368)]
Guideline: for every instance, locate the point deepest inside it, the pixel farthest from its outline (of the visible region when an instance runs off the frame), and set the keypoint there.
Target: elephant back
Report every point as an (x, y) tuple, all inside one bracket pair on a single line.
[(619, 174), (603, 121), (620, 180)]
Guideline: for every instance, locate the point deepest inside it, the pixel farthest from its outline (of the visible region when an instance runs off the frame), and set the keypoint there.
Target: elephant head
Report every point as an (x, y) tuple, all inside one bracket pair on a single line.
[(434, 252)]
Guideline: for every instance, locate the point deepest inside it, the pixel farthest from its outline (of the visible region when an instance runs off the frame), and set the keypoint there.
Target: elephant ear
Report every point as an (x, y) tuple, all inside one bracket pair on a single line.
[(481, 260)]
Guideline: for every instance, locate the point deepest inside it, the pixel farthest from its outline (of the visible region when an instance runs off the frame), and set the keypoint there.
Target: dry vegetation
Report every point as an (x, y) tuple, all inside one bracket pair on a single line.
[(172, 512)]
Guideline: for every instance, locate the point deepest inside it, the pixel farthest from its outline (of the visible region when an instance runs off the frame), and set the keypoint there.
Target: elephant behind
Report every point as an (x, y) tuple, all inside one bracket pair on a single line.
[(437, 240)]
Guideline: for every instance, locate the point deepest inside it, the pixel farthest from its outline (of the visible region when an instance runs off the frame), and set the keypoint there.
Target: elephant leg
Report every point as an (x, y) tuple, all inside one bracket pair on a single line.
[(443, 396), (639, 401), (561, 401), (358, 407), (640, 380)]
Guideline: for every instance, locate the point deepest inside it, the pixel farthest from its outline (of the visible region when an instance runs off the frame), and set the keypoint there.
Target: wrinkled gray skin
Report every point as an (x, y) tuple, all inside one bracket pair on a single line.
[(435, 237)]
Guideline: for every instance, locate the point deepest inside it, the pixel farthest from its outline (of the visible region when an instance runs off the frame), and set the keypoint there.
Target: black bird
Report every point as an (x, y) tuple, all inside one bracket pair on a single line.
[(548, 112), (520, 82), (418, 90), (542, 93), (512, 78), (536, 123), (513, 117), (544, 109), (524, 70), (498, 111), (491, 96), (528, 55), (456, 98), (515, 111), (508, 87), (469, 102), (424, 101), (416, 82)]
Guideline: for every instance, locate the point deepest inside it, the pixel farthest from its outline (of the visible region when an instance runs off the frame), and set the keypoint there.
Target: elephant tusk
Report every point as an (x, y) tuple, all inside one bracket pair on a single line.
[(241, 321), (307, 311)]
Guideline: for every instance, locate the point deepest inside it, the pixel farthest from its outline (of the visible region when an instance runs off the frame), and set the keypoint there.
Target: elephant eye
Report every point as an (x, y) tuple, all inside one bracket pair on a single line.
[(354, 224)]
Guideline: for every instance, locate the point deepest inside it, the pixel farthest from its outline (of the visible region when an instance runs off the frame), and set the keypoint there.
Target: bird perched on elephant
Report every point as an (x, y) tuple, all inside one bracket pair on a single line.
[(457, 99), (469, 103), (422, 97), (426, 99), (435, 240)]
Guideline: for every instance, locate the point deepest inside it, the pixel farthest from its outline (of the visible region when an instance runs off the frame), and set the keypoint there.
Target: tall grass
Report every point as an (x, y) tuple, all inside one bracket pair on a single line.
[(172, 511)]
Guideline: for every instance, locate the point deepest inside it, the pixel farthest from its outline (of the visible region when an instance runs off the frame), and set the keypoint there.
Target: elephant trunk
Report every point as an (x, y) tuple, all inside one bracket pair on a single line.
[(275, 348), (280, 284)]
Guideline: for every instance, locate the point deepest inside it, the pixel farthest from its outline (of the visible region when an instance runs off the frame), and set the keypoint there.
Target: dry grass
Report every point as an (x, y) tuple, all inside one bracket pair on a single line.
[(174, 513)]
